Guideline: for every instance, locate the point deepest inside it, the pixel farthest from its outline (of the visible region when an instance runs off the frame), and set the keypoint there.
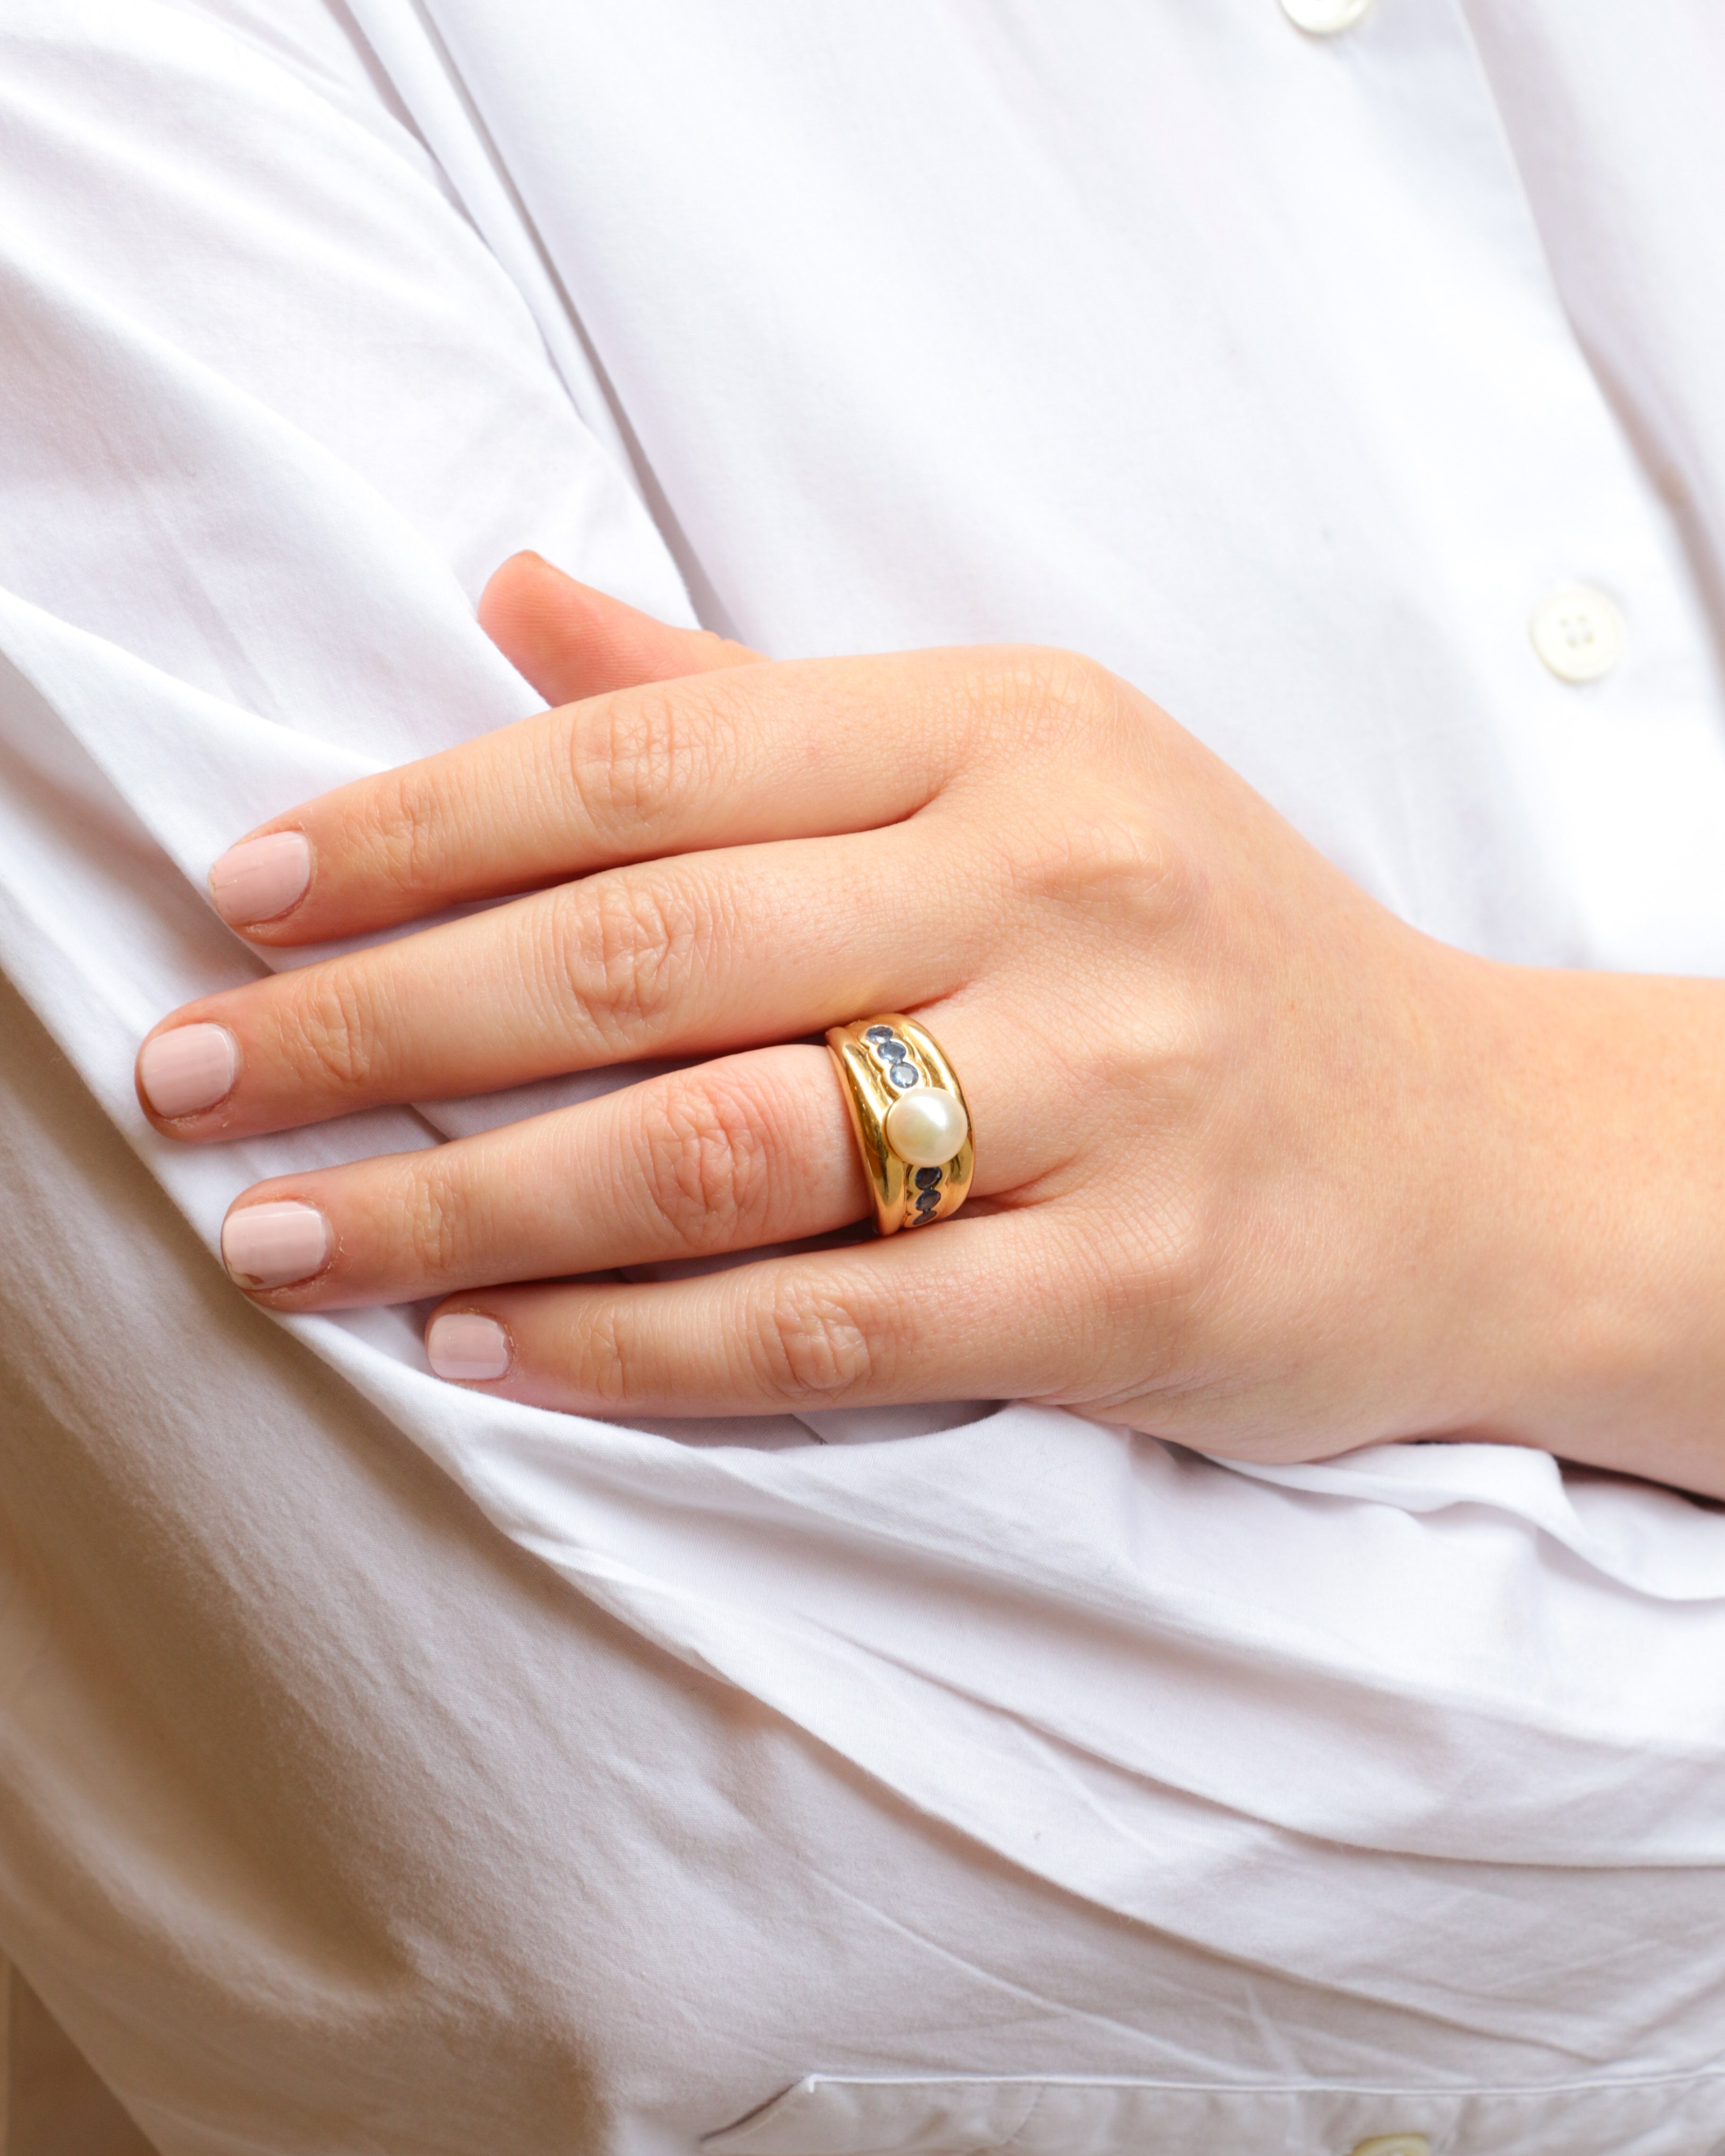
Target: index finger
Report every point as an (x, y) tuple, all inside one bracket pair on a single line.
[(734, 758)]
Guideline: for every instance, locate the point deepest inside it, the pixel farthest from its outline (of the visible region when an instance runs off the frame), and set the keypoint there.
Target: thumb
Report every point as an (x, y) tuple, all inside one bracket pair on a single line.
[(571, 641)]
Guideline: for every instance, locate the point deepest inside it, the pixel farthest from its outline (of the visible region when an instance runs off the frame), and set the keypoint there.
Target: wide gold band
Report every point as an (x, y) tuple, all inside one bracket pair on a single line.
[(881, 1062)]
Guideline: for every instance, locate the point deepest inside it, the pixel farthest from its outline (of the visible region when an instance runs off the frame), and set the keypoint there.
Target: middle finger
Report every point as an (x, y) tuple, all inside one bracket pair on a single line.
[(693, 956)]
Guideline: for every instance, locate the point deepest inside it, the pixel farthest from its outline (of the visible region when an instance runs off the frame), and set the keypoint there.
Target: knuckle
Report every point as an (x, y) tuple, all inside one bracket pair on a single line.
[(807, 1343), (601, 1351), (334, 1032), (635, 756), (1157, 1287), (1096, 857), (1069, 683), (627, 950), (706, 1149), (400, 821), (435, 1225), (1048, 696)]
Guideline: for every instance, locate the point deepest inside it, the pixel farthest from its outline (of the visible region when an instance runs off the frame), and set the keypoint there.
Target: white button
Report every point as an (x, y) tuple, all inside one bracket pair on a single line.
[(1324, 17), (1393, 2144), (1578, 633)]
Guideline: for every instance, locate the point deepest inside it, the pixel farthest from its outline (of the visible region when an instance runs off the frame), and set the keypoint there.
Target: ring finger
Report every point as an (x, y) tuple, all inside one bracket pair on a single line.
[(747, 1150), (731, 1155)]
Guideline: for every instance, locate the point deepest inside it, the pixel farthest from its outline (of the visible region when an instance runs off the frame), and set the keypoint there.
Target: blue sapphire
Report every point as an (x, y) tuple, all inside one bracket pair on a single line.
[(878, 1033), (904, 1076), (927, 1205), (927, 1178), (891, 1050)]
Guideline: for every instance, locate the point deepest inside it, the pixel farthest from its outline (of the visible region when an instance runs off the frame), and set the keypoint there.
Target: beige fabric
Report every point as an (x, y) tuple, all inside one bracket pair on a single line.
[(51, 2102), (332, 1820)]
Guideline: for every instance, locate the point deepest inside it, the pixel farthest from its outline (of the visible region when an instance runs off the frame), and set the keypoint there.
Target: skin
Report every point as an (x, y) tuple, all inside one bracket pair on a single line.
[(1260, 1167)]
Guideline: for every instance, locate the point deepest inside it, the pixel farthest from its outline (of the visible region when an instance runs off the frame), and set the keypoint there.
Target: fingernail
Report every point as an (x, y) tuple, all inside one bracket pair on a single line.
[(466, 1346), (269, 1245), (188, 1069), (259, 878)]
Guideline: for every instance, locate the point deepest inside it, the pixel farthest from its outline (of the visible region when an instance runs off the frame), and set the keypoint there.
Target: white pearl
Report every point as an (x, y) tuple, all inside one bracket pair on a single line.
[(927, 1126)]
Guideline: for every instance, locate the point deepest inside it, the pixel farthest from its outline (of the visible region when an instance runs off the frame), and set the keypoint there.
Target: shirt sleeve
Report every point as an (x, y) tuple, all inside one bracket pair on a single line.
[(271, 409)]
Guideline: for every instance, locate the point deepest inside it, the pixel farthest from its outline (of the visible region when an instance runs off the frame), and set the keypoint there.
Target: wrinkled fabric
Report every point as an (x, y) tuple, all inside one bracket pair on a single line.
[(1284, 376)]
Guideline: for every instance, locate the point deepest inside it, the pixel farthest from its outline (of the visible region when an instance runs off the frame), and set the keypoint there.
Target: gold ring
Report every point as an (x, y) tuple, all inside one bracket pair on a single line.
[(911, 1122)]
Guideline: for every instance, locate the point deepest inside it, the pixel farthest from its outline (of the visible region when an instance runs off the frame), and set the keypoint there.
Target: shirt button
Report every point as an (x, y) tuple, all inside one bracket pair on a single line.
[(1578, 633), (1393, 2144), (1324, 17)]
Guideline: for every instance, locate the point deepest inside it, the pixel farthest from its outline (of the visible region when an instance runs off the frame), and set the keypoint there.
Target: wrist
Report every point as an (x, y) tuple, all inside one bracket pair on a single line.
[(1596, 1182)]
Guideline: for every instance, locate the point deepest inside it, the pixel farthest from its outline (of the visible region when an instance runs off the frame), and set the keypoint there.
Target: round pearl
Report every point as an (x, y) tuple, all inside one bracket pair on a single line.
[(927, 1126)]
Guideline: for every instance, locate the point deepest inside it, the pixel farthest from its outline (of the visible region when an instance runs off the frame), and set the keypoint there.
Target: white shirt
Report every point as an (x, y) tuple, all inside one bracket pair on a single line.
[(1286, 376)]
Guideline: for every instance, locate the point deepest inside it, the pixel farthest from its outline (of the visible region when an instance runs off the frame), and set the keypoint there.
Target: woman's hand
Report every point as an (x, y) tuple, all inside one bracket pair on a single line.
[(1258, 1167)]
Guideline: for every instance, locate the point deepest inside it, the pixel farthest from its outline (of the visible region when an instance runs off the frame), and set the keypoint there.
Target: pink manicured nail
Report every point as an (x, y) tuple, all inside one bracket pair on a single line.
[(465, 1345), (259, 878), (188, 1069), (269, 1245)]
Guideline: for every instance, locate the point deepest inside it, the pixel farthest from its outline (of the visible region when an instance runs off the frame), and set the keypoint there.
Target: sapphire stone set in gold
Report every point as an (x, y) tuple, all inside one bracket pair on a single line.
[(908, 1111)]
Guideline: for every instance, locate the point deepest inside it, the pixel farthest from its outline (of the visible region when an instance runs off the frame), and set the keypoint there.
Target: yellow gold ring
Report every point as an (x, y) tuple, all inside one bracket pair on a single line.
[(911, 1122)]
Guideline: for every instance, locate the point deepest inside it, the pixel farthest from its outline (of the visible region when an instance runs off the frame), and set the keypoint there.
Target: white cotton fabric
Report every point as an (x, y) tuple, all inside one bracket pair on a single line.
[(1284, 376), (1066, 2116)]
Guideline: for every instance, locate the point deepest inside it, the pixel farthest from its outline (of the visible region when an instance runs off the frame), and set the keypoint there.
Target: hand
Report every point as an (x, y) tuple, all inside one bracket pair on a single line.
[(1259, 1168)]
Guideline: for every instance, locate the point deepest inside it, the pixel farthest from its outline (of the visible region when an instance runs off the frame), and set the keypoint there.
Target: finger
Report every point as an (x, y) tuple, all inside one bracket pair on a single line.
[(731, 757), (730, 1156), (933, 1314), (571, 641), (690, 957)]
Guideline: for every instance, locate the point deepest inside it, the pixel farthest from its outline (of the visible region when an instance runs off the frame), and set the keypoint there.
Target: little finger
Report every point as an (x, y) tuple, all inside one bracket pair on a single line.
[(976, 1307)]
